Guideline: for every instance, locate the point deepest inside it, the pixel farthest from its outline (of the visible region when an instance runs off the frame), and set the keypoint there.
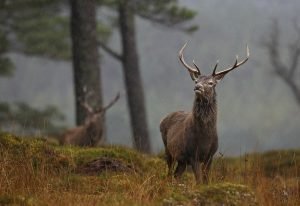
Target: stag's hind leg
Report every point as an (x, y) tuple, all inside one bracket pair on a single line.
[(180, 169), (170, 163)]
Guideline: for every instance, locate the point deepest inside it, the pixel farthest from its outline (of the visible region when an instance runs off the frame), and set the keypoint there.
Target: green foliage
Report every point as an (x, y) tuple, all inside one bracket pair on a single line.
[(110, 3), (104, 31), (6, 66), (45, 36), (164, 12), (30, 119), (41, 28), (38, 27), (167, 13)]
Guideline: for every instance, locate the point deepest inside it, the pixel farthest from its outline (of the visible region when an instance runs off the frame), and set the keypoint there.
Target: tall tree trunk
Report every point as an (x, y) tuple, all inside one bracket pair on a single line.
[(132, 77), (86, 71)]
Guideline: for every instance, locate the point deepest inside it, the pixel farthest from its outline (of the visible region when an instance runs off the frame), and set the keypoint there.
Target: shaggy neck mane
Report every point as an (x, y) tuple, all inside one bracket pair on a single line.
[(204, 110)]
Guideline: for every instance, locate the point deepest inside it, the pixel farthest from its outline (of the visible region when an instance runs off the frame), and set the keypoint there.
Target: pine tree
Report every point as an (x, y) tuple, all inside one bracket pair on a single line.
[(40, 28), (167, 13)]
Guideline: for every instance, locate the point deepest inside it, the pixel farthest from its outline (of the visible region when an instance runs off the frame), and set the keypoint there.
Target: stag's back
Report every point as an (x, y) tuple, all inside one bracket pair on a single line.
[(83, 135), (173, 128)]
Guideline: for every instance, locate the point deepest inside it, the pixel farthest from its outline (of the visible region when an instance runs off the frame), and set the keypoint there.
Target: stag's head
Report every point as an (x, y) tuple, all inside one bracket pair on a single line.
[(205, 85), (93, 115)]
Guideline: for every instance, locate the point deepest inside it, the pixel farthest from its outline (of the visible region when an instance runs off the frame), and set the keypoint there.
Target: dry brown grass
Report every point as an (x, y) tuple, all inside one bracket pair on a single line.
[(33, 172)]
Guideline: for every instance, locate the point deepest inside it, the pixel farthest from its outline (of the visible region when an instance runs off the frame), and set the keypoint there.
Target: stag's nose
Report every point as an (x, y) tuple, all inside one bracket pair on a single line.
[(199, 87)]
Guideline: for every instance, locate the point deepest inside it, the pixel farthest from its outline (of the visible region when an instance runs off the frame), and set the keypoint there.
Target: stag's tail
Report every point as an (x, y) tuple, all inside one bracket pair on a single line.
[(163, 130)]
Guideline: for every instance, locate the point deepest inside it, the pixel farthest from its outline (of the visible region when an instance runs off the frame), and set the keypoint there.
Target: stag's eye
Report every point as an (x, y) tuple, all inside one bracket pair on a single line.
[(211, 83)]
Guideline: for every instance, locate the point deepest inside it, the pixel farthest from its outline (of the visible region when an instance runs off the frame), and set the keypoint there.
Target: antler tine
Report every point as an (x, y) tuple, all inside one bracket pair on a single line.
[(87, 107), (215, 69), (110, 104), (198, 69), (235, 65), (189, 68), (83, 101)]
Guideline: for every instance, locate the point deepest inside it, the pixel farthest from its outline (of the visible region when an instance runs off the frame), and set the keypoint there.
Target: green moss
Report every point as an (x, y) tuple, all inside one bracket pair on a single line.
[(150, 183), (40, 151), (17, 200), (226, 194), (36, 150), (214, 194), (140, 162)]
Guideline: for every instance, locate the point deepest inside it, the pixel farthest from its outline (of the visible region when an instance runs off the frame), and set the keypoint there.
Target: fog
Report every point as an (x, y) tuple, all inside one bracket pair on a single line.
[(256, 110)]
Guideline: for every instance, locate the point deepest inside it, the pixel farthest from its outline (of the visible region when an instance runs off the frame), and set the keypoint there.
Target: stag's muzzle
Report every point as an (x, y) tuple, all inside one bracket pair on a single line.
[(199, 88)]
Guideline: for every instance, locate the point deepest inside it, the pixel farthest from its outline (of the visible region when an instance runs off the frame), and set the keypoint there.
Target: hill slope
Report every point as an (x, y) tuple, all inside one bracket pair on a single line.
[(256, 109), (35, 172)]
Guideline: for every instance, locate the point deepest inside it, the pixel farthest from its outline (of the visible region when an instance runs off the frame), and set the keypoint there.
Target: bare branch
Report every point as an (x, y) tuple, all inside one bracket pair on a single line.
[(112, 53), (294, 50), (296, 26), (286, 73), (273, 48)]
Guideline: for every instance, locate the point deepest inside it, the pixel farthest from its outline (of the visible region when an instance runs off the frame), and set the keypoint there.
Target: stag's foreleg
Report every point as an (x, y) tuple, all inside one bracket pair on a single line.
[(196, 166), (201, 171), (205, 170)]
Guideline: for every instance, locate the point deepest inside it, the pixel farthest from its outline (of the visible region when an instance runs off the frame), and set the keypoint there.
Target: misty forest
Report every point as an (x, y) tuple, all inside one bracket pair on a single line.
[(92, 95)]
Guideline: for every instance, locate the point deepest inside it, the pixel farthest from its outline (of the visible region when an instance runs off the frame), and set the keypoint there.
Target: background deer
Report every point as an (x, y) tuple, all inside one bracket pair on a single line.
[(84, 135), (190, 138)]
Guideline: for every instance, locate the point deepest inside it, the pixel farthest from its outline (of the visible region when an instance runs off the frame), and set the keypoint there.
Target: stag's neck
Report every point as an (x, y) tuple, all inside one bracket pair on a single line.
[(205, 110)]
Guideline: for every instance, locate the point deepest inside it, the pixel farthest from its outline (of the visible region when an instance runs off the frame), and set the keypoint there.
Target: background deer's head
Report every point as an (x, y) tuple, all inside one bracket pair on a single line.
[(93, 115)]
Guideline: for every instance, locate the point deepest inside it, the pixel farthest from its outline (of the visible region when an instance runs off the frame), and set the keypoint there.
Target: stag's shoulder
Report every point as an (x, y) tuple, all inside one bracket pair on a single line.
[(173, 118)]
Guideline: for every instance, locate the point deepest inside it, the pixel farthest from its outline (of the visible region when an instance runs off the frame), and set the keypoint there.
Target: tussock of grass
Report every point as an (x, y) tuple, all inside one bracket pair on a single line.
[(34, 172)]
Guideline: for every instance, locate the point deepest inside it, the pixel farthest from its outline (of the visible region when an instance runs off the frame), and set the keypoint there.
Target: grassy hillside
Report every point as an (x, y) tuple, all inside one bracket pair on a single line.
[(38, 172)]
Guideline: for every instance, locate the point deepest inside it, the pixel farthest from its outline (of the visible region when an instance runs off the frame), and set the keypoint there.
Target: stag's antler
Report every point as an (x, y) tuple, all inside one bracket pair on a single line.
[(193, 72), (110, 104), (84, 102), (235, 65), (87, 107)]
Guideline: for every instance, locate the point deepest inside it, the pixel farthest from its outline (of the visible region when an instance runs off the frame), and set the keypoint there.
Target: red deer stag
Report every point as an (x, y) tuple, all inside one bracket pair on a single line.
[(190, 138), (84, 135)]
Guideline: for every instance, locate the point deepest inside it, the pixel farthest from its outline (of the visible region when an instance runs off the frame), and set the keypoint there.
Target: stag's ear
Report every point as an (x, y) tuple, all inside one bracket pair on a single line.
[(219, 77)]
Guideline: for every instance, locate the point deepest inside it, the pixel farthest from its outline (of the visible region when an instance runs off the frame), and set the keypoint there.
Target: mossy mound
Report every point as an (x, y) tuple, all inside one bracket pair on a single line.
[(221, 194), (71, 158), (35, 150), (226, 194), (42, 171)]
